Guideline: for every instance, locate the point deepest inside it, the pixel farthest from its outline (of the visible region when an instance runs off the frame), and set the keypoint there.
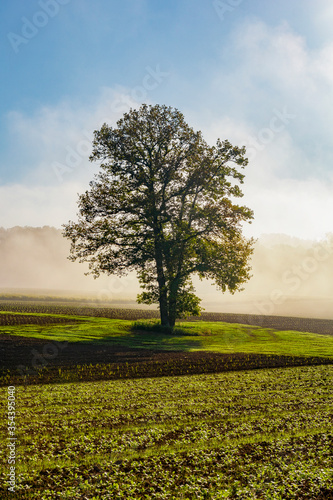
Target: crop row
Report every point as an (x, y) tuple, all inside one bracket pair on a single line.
[(187, 364), (251, 471), (7, 319), (104, 312), (145, 440)]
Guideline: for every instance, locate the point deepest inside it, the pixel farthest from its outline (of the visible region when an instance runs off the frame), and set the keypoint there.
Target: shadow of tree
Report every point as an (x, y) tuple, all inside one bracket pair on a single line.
[(151, 340)]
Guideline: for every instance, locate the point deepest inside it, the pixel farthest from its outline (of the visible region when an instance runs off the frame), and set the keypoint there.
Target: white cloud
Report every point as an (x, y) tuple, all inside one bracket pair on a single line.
[(278, 55), (323, 65), (297, 208), (58, 138), (37, 205), (274, 68), (282, 58)]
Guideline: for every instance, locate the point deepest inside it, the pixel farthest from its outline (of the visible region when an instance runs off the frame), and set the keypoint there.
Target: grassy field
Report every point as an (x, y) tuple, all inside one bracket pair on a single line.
[(242, 434), (194, 336), (264, 434)]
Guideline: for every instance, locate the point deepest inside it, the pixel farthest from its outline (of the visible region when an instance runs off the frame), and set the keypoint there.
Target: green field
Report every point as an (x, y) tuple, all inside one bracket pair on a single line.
[(265, 434), (195, 336), (241, 434)]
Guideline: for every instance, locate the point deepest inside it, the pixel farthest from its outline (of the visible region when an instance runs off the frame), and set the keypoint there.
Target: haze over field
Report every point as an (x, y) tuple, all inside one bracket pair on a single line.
[(290, 276)]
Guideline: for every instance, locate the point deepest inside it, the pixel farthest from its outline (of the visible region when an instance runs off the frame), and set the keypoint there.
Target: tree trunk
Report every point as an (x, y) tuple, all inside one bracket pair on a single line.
[(172, 315), (163, 297), (173, 302), (164, 307)]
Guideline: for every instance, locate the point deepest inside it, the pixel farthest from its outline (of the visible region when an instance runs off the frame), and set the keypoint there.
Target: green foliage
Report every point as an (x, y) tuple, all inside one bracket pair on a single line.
[(161, 205), (155, 326), (188, 304)]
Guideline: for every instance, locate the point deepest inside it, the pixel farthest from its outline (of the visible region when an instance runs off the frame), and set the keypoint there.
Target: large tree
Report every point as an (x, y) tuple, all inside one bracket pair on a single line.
[(163, 204)]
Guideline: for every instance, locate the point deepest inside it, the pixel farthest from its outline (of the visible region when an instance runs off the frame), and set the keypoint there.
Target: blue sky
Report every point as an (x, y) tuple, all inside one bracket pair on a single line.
[(255, 72)]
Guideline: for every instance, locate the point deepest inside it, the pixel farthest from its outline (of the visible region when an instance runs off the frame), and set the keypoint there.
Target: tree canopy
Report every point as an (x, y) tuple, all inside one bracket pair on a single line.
[(163, 204)]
